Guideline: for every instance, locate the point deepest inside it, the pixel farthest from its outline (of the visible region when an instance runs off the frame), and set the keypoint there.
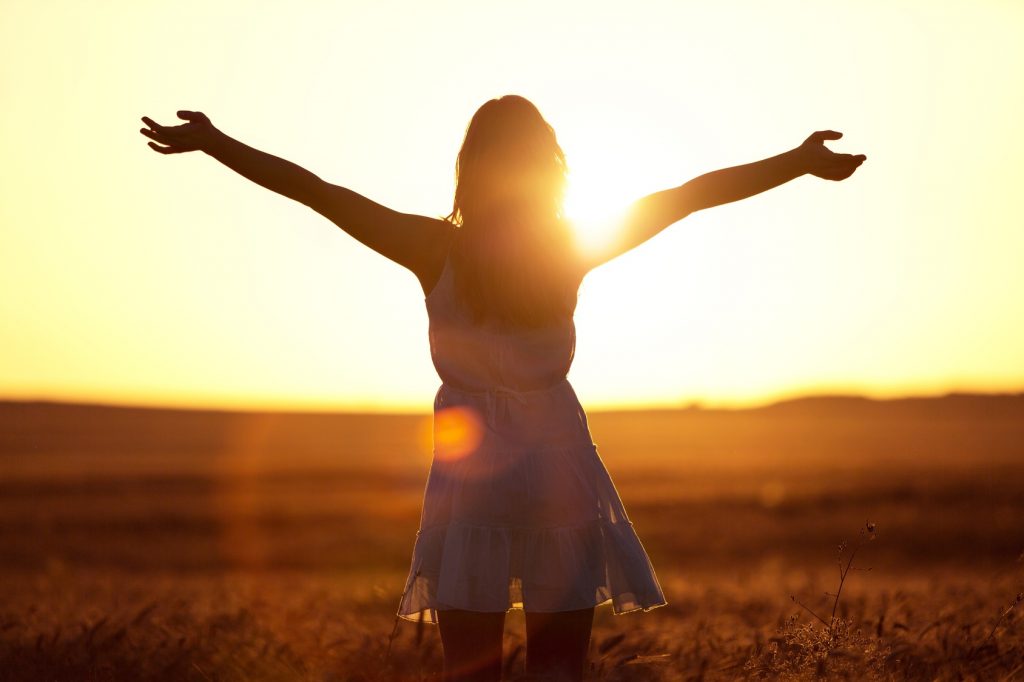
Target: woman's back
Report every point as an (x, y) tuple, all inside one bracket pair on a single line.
[(477, 356), (510, 381)]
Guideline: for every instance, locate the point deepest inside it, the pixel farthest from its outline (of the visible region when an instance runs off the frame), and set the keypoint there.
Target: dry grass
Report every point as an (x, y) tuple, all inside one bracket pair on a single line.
[(287, 626), (195, 565)]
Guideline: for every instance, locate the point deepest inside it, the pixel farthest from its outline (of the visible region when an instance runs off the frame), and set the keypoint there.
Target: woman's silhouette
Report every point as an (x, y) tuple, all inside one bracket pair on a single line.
[(518, 509)]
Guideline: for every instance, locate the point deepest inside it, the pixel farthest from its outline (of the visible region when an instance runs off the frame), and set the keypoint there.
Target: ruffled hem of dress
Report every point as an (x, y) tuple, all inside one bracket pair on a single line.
[(564, 568)]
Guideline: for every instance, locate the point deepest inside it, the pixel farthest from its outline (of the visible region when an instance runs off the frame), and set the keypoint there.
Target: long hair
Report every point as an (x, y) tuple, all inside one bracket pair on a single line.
[(513, 249)]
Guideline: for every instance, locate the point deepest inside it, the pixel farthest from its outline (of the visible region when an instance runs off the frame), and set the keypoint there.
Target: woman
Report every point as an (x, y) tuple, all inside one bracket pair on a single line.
[(519, 510)]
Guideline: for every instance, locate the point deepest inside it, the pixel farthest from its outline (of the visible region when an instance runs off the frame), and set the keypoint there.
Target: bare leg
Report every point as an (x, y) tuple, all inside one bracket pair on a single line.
[(472, 645), (557, 643)]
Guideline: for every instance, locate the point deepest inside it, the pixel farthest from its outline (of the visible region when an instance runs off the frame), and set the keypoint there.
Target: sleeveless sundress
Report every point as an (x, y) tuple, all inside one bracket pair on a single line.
[(519, 510)]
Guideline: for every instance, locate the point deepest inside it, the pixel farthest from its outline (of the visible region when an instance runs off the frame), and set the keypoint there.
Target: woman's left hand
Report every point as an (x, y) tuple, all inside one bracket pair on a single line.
[(822, 162)]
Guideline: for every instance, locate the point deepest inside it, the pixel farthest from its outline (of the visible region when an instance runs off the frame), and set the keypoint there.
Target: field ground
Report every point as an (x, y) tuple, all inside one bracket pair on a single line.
[(147, 545)]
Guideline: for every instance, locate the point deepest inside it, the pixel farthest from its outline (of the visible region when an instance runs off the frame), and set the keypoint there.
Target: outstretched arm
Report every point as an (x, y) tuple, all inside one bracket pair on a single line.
[(653, 213), (414, 241)]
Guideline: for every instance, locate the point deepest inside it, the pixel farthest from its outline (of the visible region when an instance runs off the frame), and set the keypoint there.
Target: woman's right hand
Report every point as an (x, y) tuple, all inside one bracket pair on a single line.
[(196, 135)]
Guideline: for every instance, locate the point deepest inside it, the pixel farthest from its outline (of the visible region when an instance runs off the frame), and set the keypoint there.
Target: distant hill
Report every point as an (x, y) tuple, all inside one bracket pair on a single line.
[(953, 428), (951, 406)]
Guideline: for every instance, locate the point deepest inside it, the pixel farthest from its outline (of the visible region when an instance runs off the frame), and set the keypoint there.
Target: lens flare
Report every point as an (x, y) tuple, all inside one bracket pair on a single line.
[(457, 433)]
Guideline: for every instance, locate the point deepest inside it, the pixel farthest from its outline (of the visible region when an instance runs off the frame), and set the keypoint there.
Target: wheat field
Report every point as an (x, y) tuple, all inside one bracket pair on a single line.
[(143, 544)]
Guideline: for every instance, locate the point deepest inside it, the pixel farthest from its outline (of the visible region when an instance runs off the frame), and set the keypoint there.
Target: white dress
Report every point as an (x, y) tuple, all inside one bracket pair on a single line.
[(519, 510)]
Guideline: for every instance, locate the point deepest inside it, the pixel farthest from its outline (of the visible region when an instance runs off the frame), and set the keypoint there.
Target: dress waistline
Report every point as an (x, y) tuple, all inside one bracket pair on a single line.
[(514, 393)]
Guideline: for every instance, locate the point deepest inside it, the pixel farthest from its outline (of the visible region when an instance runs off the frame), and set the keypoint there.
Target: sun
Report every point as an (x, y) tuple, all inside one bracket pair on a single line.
[(595, 205)]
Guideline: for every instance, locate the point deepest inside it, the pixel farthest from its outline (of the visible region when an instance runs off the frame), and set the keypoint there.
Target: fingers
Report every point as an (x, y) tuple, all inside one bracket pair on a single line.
[(153, 124), (167, 144), (822, 135), (844, 168), (177, 138), (193, 116), (850, 158), (163, 150), (851, 161), (163, 139)]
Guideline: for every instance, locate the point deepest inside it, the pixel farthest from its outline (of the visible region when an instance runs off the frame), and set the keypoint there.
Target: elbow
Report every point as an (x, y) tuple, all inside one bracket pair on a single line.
[(313, 193)]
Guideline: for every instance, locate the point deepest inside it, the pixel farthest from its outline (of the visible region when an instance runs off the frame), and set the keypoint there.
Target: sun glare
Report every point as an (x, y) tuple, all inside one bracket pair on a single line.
[(595, 207), (457, 433)]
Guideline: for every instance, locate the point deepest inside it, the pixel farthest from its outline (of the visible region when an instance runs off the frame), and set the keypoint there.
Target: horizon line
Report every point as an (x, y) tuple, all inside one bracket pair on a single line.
[(683, 405)]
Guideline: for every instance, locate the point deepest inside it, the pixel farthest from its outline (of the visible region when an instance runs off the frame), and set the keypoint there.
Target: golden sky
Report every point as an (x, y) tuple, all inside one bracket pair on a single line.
[(127, 276)]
